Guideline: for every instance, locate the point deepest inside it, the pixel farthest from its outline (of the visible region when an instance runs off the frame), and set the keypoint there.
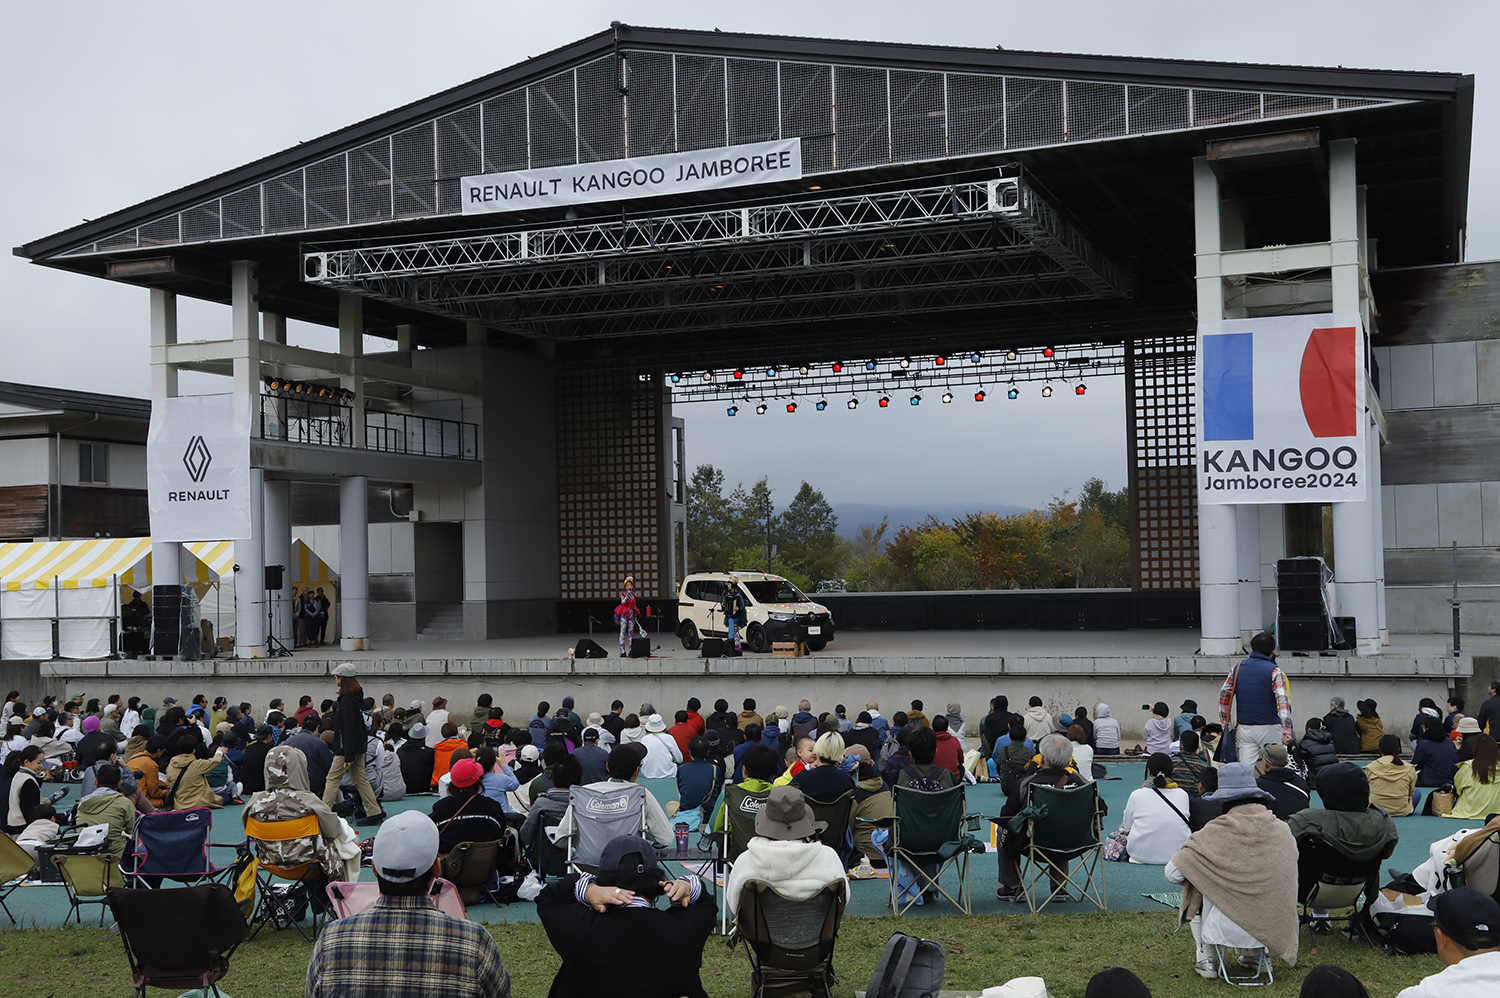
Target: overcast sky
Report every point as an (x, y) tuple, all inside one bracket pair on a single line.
[(106, 105)]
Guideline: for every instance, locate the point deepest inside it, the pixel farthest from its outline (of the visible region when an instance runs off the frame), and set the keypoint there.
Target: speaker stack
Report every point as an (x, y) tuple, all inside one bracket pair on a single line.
[(174, 622), (1301, 611)]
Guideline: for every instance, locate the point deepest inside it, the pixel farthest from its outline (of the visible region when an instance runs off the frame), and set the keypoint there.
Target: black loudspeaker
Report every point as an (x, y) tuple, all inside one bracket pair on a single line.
[(1343, 628), (275, 577), (640, 647), (588, 648), (714, 647), (1302, 635)]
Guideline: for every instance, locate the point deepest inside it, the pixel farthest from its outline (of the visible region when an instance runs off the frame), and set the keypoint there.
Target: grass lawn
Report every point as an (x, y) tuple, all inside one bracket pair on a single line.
[(983, 951)]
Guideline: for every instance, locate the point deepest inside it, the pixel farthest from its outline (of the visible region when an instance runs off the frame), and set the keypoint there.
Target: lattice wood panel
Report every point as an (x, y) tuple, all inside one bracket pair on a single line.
[(609, 461), (1162, 452)]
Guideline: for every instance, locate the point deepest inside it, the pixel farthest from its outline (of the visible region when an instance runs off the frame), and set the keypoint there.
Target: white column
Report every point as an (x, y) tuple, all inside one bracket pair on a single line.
[(1247, 532), (1218, 530), (278, 547), (244, 327), (250, 580), (1377, 521), (166, 556), (352, 344), (273, 327), (354, 564), (1354, 531)]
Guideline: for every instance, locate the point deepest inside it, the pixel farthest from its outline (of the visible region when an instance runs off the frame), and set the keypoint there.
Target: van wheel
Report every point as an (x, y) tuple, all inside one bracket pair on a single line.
[(755, 639), (690, 638), (816, 645)]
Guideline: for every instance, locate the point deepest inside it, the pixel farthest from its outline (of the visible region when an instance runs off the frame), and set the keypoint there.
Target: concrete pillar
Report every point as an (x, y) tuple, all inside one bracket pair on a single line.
[(406, 338), (278, 547), (1355, 531), (1377, 521), (250, 579), (354, 564), (1247, 533), (166, 556), (1218, 527), (244, 330), (352, 344), (273, 327)]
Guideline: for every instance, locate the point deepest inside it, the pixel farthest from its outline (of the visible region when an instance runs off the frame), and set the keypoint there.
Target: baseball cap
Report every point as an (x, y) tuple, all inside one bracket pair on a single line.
[(168, 701), (1274, 754), (39, 712), (530, 753), (415, 705), (629, 854), (591, 734), (466, 773), (405, 847), (1468, 917)]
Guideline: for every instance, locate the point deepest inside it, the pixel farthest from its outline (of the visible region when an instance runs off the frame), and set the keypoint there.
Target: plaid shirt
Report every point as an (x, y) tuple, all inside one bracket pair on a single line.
[(405, 948), (1283, 703)]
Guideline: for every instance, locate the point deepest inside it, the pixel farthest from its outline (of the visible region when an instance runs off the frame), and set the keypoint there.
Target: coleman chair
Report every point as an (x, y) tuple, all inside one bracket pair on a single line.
[(348, 898), (1327, 879), (740, 808), (600, 814), (87, 880), (929, 834), (476, 850), (16, 865), (547, 857), (172, 845), (832, 821), (789, 943), (1066, 825), (178, 938), (286, 903)]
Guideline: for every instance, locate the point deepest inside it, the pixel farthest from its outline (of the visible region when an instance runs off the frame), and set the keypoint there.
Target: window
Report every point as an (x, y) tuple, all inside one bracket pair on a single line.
[(93, 464)]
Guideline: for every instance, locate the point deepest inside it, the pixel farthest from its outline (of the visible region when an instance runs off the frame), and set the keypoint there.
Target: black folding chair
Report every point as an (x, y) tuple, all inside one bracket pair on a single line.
[(832, 818), (178, 938), (789, 943)]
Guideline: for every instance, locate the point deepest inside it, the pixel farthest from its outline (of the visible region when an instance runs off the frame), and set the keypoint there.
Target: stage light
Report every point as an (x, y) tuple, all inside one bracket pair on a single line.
[(869, 365), (837, 367), (974, 358), (739, 373), (1013, 394), (885, 400), (1011, 355), (802, 369), (1046, 391), (905, 363), (822, 404), (274, 384), (1047, 351), (791, 407), (1080, 389), (940, 360), (770, 372), (916, 400), (708, 375), (760, 410), (979, 396), (733, 410), (947, 397), (676, 378), (854, 403)]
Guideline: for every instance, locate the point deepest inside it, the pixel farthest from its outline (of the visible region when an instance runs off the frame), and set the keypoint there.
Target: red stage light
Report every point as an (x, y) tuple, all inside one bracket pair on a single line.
[(739, 373), (979, 396), (1081, 389), (1047, 351), (791, 407), (837, 367), (940, 361), (884, 401)]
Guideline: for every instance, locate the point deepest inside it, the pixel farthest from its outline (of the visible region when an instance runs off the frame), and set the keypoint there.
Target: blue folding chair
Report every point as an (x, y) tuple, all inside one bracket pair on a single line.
[(172, 845)]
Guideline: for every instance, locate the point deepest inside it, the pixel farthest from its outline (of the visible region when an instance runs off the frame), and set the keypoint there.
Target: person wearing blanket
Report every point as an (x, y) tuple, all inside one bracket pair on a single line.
[(785, 853), (287, 797), (1239, 876)]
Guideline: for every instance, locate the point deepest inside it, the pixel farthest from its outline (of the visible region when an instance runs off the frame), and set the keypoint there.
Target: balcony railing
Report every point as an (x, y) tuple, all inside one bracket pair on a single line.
[(328, 424)]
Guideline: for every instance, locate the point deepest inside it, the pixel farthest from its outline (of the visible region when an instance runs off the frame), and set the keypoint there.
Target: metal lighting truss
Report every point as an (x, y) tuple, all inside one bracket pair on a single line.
[(961, 246), (993, 372)]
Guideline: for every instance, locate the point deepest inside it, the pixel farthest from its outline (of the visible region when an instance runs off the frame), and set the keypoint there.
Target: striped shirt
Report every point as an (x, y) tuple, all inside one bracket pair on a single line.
[(405, 948)]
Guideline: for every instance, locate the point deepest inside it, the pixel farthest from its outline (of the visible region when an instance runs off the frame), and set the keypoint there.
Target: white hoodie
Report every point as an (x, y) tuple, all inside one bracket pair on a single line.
[(797, 869), (1038, 722)]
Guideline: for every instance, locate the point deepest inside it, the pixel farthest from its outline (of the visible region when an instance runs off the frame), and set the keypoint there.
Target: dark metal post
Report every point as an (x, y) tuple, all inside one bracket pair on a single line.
[(1454, 602)]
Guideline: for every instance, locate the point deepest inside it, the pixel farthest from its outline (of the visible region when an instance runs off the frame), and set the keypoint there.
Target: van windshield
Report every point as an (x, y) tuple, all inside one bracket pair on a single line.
[(768, 591)]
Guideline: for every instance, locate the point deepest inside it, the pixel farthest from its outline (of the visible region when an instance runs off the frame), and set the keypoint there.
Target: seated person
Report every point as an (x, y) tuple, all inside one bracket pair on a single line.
[(1013, 755), (1315, 751), (42, 831), (549, 808), (466, 800), (625, 767), (1476, 782), (697, 782), (1106, 731), (924, 773), (1347, 823), (106, 805), (1433, 755), (1371, 729), (1289, 791), (1189, 762), (442, 752), (1466, 928), (825, 780), (1239, 885), (416, 761), (1156, 815), (802, 754), (1393, 781), (1057, 757), (785, 853), (950, 749), (872, 801), (1202, 810), (608, 928), (287, 797), (759, 765), (499, 781)]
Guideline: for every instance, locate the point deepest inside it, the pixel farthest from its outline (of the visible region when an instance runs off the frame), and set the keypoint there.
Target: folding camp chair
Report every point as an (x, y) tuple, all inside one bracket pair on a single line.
[(1327, 879), (349, 898), (740, 808), (172, 845), (1068, 825), (476, 850), (87, 879), (178, 938), (790, 943), (15, 865), (1482, 868), (600, 814), (930, 832), (286, 904), (832, 818), (548, 859)]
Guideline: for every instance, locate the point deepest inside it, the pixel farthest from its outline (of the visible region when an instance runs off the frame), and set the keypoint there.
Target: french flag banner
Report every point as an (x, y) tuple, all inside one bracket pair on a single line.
[(1281, 409)]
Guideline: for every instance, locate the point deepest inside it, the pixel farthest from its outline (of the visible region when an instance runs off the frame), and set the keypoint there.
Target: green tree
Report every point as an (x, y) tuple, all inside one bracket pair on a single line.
[(807, 534), (1113, 507), (708, 514)]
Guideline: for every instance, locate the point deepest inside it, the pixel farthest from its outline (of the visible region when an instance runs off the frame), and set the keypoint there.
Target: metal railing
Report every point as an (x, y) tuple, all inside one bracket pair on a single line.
[(329, 424)]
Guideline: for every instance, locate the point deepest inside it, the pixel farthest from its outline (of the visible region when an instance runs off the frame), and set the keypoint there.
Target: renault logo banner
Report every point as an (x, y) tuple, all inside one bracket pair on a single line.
[(1281, 410), (198, 468), (642, 177)]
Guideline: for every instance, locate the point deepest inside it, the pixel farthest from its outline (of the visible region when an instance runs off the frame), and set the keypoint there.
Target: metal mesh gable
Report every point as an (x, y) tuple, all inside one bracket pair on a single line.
[(1157, 109), (650, 123), (552, 123), (919, 123), (328, 192), (458, 154), (1033, 112), (284, 200), (754, 111), (505, 137), (1095, 110), (601, 112), (201, 223), (700, 102), (807, 110), (1276, 105), (242, 213), (1218, 107), (976, 109), (162, 232), (118, 241), (862, 127), (412, 157), (370, 182)]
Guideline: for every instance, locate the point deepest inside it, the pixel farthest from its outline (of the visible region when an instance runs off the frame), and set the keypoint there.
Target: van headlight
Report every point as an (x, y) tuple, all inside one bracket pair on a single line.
[(783, 616)]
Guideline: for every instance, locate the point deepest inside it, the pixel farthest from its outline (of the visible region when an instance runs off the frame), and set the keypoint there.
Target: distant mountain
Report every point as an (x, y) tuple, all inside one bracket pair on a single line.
[(853, 515)]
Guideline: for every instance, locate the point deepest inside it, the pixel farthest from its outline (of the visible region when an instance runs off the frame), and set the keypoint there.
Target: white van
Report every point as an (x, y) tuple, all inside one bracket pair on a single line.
[(775, 610)]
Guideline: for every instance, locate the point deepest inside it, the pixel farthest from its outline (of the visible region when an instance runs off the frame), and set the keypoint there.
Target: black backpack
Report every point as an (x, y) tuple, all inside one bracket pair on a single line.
[(909, 968)]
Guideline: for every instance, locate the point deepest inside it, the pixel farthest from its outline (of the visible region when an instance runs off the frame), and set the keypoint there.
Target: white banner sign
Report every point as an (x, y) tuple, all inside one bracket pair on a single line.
[(198, 468), (646, 176), (1281, 410)]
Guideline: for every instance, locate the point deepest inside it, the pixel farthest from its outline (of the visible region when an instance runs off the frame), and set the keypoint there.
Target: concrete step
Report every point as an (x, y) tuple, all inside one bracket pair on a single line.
[(445, 624)]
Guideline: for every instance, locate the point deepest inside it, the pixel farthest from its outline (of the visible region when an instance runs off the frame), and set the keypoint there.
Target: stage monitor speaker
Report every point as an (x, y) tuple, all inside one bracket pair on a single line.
[(589, 648), (1302, 635), (714, 647), (275, 577), (1343, 629), (640, 647)]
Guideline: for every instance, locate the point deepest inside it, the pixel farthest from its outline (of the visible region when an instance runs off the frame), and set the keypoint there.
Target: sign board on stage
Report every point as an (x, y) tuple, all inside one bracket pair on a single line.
[(198, 468), (1281, 410), (644, 176)]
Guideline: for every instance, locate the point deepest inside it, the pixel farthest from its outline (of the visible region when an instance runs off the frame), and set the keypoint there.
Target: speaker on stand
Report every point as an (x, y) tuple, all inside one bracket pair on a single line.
[(275, 579)]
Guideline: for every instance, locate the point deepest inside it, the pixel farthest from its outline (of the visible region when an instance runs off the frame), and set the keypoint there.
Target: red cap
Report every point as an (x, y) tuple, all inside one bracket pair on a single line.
[(466, 773)]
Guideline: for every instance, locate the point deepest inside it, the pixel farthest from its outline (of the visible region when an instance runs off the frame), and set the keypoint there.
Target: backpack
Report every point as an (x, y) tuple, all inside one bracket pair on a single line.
[(909, 968)]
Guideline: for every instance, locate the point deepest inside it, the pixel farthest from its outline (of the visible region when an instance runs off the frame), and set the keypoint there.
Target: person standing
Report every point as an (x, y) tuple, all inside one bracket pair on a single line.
[(349, 743), (733, 606), (627, 614), (322, 605), (1265, 708)]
